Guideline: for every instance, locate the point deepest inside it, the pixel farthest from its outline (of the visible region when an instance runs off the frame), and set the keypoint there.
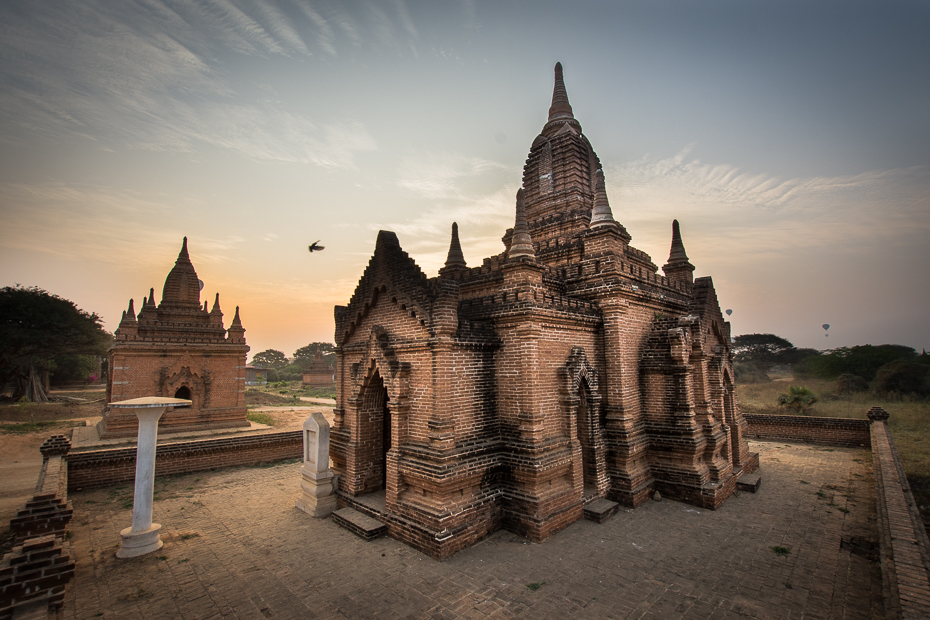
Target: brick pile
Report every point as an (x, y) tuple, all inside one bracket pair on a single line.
[(34, 576)]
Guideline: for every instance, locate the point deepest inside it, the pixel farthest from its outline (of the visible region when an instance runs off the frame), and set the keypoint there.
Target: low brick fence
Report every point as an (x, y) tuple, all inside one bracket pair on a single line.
[(903, 544), (846, 432), (99, 468)]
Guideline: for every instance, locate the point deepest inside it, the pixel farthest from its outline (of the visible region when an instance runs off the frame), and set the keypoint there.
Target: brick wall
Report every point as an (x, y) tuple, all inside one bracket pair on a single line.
[(96, 468), (903, 543), (827, 431)]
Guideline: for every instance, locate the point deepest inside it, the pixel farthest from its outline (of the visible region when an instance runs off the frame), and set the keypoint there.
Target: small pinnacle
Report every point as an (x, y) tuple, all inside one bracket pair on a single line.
[(522, 244), (601, 215), (677, 253), (455, 258)]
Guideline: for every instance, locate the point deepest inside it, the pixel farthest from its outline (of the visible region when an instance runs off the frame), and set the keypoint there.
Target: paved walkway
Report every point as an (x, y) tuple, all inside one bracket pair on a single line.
[(235, 547)]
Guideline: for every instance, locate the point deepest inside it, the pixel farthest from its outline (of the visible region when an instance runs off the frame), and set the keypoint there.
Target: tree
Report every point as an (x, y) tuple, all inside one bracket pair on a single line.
[(305, 355), (799, 399), (270, 358), (764, 348), (862, 361), (36, 326)]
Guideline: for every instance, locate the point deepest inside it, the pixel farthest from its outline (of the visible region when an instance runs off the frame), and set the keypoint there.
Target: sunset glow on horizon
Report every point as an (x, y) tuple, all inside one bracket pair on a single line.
[(791, 141)]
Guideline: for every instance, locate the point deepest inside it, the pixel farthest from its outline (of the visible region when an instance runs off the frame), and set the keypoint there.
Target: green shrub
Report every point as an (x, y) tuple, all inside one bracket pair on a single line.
[(903, 377), (851, 384), (798, 399)]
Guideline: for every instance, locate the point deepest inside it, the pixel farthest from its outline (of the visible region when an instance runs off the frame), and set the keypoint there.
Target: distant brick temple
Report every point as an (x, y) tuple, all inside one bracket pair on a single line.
[(178, 349), (561, 371), (318, 374)]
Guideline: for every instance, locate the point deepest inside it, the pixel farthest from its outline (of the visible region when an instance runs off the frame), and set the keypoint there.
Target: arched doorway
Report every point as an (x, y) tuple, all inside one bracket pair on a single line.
[(183, 392), (586, 428), (375, 427)]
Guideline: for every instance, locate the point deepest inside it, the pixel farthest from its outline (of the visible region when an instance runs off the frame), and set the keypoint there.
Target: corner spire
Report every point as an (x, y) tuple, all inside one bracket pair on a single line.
[(236, 333), (677, 252), (601, 215), (455, 258), (678, 266), (560, 109), (522, 244)]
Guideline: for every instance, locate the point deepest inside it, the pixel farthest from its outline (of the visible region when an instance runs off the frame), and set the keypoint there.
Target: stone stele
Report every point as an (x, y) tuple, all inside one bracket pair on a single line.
[(317, 498)]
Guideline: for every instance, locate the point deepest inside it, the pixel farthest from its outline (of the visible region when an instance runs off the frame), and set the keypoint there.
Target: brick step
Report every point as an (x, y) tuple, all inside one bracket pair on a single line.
[(359, 524), (749, 482), (600, 510)]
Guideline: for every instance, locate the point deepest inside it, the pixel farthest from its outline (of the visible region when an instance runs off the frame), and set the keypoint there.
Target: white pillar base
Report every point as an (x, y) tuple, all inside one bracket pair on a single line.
[(318, 499), (135, 544)]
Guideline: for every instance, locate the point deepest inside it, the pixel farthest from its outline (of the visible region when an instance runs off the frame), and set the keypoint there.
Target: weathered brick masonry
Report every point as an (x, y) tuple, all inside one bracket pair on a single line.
[(97, 468), (178, 349), (562, 370)]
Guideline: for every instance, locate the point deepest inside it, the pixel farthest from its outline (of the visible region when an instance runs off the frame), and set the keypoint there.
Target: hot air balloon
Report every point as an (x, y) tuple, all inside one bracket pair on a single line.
[(729, 311), (826, 326)]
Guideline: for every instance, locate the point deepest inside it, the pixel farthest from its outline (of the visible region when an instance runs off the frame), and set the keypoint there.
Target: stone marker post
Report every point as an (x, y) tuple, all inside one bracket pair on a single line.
[(143, 536), (318, 498)]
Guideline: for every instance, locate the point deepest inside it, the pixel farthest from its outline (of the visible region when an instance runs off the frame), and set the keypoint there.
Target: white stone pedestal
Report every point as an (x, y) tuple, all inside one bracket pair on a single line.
[(143, 536), (316, 478)]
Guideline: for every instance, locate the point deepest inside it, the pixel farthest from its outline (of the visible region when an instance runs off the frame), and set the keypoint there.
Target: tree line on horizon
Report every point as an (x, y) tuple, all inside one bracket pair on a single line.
[(282, 368), (885, 369)]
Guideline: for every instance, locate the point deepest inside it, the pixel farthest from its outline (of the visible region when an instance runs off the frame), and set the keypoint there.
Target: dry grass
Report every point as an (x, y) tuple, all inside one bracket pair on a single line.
[(909, 420)]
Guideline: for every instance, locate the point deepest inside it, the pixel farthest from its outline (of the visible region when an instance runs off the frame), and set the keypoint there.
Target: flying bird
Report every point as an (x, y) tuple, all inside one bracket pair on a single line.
[(314, 247)]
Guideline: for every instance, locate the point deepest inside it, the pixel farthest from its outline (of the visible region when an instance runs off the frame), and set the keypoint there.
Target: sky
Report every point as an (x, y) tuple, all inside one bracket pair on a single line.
[(790, 139)]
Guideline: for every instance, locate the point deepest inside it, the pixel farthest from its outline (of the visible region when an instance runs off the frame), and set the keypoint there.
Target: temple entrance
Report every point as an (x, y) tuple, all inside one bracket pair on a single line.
[(183, 392), (375, 426), (587, 432)]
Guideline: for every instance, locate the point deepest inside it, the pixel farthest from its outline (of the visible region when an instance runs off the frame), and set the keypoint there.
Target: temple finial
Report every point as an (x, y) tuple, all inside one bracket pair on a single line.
[(455, 258), (131, 311), (560, 109), (152, 296), (678, 266), (522, 244), (183, 253), (236, 322)]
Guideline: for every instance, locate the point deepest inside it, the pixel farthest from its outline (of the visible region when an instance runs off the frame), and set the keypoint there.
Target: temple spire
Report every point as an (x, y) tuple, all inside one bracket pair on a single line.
[(183, 253), (522, 243), (560, 109), (455, 258), (678, 266)]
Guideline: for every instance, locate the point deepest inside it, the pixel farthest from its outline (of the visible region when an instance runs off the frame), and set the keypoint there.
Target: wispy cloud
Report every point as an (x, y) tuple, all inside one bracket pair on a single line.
[(157, 75), (735, 211), (437, 175), (103, 225)]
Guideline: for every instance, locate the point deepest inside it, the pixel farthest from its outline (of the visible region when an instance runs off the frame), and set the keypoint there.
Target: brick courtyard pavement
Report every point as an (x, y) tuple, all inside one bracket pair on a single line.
[(235, 547)]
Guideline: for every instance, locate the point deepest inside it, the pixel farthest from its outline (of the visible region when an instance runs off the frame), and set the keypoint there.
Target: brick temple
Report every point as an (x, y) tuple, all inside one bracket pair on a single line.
[(318, 373), (564, 372), (178, 349)]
